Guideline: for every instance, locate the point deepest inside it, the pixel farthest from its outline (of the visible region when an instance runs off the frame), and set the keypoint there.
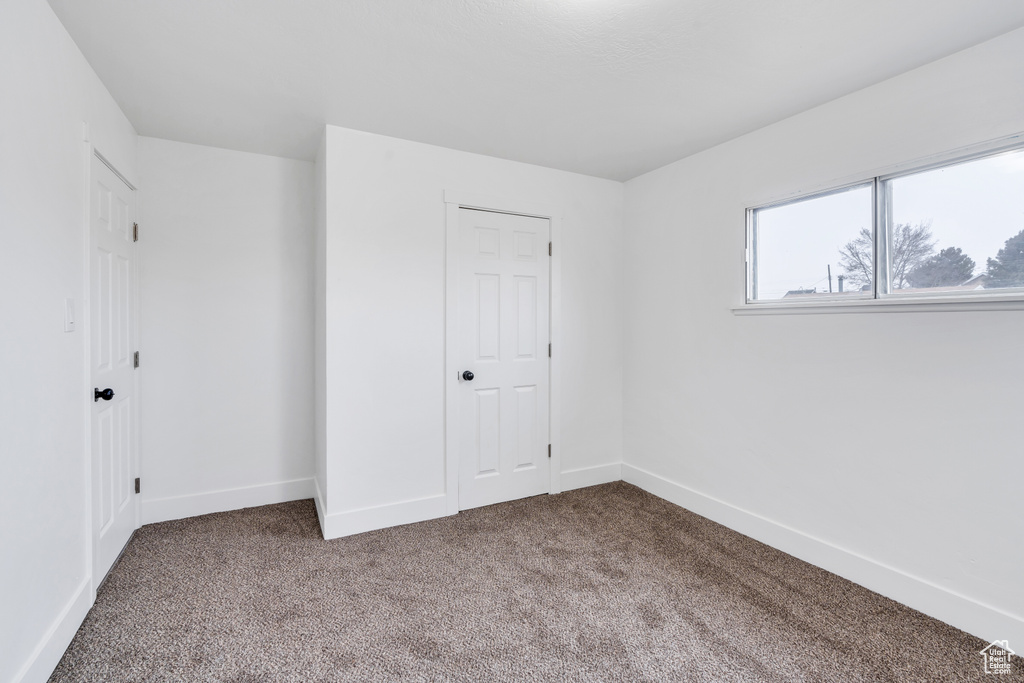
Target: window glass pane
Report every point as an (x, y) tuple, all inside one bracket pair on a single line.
[(797, 245), (959, 228)]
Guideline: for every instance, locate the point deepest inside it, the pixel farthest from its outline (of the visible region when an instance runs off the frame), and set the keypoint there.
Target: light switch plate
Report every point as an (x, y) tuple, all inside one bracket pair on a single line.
[(69, 315)]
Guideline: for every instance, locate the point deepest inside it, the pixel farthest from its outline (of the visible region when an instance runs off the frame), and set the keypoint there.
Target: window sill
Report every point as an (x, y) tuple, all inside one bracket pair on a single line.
[(890, 305)]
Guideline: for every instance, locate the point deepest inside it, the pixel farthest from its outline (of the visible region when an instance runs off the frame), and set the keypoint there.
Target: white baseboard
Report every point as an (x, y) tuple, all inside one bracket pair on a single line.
[(984, 621), (51, 647), (338, 524), (180, 507), (591, 476)]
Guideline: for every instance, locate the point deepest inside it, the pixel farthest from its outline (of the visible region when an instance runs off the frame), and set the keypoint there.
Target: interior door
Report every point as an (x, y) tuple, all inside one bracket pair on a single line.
[(504, 278), (113, 328)]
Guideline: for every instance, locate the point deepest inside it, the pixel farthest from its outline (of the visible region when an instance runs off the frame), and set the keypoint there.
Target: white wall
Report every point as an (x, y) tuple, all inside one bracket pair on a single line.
[(226, 329), (883, 446), (385, 319), (48, 92)]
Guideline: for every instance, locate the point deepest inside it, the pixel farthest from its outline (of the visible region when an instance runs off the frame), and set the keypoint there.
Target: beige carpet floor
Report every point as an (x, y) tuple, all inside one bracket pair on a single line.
[(607, 583)]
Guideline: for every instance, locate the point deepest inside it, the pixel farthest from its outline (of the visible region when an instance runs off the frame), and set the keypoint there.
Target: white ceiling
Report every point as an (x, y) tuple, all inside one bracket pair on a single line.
[(610, 88)]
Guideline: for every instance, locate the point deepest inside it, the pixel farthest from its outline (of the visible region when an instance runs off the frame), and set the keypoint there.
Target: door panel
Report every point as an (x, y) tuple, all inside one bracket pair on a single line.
[(525, 288), (503, 336), (104, 452), (488, 308), (527, 444), (113, 345), (488, 431)]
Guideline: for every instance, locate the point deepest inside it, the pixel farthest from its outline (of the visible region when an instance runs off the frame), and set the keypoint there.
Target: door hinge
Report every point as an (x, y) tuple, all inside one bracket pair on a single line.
[(138, 484), (549, 248), (549, 350), (549, 450), (136, 359), (135, 232)]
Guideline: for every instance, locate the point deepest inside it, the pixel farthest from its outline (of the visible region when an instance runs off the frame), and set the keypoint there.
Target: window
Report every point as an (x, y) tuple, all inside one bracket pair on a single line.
[(794, 245), (955, 230)]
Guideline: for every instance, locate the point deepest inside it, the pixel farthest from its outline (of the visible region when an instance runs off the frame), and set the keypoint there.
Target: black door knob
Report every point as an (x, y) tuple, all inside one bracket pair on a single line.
[(106, 394), (468, 376)]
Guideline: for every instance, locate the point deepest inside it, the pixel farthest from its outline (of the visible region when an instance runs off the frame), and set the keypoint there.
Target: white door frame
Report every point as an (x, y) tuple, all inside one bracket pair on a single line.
[(454, 201), (84, 326)]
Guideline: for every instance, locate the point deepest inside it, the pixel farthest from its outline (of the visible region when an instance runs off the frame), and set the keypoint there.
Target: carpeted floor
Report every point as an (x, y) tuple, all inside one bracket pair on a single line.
[(601, 584)]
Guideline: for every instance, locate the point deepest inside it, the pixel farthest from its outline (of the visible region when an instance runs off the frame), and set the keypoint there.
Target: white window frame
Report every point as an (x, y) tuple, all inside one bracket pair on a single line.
[(751, 251), (880, 298)]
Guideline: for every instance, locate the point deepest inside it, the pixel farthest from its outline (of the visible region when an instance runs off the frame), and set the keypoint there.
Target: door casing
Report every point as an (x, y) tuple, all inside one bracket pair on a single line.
[(455, 200)]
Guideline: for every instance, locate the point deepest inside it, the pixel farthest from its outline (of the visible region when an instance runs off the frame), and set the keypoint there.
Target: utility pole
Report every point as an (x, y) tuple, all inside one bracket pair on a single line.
[(829, 278)]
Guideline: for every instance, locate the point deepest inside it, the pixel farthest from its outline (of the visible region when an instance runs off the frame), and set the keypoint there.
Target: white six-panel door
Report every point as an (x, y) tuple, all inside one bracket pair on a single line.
[(502, 340), (113, 329)]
